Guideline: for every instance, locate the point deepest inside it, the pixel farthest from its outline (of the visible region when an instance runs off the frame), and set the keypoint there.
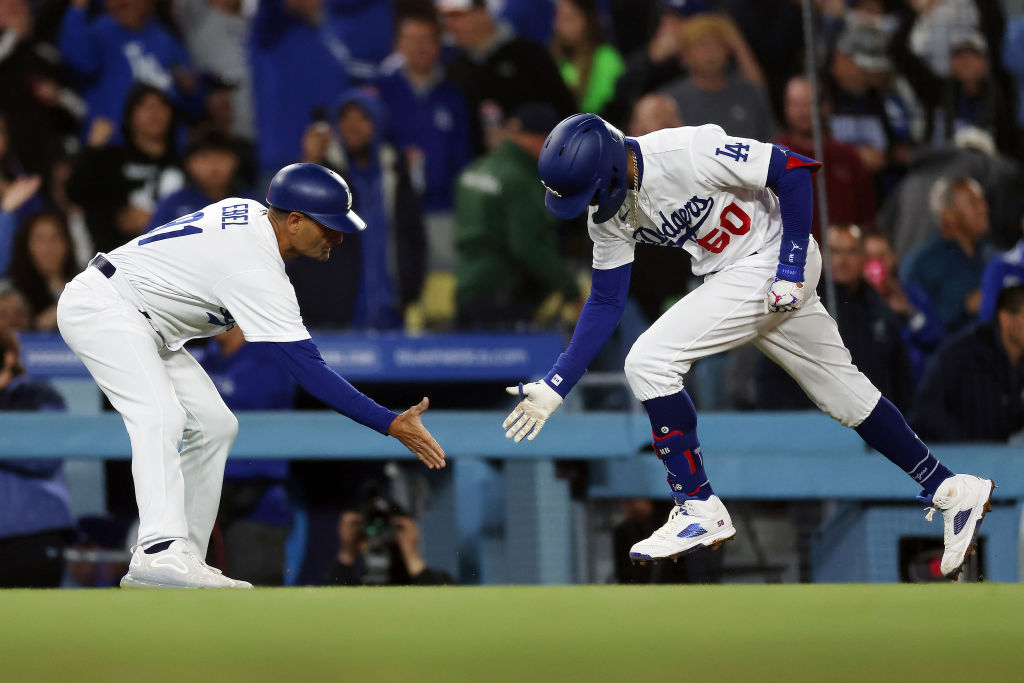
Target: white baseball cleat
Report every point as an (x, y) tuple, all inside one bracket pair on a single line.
[(175, 567), (694, 524), (963, 499)]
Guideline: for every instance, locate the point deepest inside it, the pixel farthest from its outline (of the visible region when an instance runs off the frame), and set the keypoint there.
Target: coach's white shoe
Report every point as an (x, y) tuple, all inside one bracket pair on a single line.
[(238, 582), (690, 526), (175, 567), (964, 499)]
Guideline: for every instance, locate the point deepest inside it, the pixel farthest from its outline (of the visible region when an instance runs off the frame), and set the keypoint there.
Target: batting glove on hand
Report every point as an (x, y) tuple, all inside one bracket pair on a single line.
[(538, 402), (784, 295)]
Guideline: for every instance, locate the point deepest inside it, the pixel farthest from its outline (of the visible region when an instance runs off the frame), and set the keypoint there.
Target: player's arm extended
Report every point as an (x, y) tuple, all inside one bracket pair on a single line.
[(303, 360), (598, 319), (789, 176)]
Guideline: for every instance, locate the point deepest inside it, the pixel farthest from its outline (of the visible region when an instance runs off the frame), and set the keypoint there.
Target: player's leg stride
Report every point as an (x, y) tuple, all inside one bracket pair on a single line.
[(699, 518), (173, 566), (963, 498)]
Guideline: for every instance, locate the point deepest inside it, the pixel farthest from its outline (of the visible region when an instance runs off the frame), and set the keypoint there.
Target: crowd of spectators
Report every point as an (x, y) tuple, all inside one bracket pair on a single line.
[(117, 116)]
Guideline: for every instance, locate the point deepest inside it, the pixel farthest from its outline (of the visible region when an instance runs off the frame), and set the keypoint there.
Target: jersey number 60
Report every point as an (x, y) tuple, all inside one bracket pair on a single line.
[(735, 220)]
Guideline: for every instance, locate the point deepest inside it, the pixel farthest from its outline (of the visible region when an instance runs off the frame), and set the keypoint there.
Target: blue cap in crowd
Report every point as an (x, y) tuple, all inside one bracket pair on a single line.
[(686, 8), (536, 117)]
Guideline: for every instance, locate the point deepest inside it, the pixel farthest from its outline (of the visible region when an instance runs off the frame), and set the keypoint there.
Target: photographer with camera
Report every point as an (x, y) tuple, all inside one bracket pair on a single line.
[(380, 547)]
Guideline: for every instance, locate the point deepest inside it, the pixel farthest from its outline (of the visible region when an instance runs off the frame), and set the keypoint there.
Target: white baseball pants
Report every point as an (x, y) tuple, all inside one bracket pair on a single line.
[(179, 427), (727, 311)]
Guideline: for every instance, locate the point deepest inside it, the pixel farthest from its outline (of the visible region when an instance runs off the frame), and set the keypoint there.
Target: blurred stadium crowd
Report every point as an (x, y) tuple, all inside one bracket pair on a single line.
[(117, 116)]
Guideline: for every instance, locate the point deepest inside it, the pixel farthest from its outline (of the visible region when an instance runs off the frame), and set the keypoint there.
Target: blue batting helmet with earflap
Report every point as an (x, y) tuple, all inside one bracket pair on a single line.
[(317, 192), (584, 160)]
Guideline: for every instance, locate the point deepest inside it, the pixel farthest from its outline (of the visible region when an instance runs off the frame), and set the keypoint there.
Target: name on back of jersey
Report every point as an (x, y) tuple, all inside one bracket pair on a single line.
[(234, 214)]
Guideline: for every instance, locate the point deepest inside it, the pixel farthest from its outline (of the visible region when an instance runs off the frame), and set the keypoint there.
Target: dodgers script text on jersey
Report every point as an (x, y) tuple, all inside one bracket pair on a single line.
[(721, 219)]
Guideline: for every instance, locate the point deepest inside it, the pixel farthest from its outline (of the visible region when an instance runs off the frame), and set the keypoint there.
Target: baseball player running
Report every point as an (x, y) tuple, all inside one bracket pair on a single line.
[(129, 313), (742, 209)]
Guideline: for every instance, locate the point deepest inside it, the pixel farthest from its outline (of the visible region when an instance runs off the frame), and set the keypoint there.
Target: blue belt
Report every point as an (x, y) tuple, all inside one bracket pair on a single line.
[(104, 266)]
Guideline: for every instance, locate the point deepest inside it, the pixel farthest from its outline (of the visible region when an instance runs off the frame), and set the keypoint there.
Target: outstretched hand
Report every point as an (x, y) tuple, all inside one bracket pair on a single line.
[(408, 428), (537, 402)]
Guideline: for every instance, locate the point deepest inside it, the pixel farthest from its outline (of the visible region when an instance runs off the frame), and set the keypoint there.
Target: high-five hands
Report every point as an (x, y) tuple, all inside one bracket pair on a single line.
[(408, 428), (538, 402)]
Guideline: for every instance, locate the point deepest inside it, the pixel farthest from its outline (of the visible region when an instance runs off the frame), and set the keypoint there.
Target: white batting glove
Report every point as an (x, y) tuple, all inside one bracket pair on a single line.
[(538, 402), (783, 296)]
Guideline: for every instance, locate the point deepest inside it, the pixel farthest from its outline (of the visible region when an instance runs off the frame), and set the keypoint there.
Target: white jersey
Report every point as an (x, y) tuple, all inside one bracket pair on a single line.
[(199, 275), (703, 191)]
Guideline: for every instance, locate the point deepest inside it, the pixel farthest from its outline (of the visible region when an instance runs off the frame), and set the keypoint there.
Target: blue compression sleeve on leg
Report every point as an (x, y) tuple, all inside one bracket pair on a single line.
[(887, 432), (598, 319), (789, 175), (303, 360), (674, 429)]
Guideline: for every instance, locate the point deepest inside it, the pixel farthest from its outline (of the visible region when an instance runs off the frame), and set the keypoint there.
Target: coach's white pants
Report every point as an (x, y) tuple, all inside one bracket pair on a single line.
[(727, 311), (179, 427)]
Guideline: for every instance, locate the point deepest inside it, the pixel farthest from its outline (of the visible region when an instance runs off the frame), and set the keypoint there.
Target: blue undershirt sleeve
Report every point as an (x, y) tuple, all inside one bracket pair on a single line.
[(303, 360), (598, 319), (789, 176)]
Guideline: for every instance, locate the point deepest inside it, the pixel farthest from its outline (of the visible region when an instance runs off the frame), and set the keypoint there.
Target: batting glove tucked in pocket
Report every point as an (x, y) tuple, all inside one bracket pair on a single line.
[(538, 402), (784, 295)]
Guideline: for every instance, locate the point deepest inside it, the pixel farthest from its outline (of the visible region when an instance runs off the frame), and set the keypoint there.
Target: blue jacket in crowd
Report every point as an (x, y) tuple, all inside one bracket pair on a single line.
[(530, 19), (297, 67), (1005, 270), (970, 391), (1013, 60), (109, 59), (10, 221), (923, 331), (947, 274), (33, 495), (367, 28), (435, 121), (377, 272)]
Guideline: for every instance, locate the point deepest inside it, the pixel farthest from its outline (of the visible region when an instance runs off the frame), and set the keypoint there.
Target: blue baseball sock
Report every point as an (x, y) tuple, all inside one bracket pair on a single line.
[(887, 432), (674, 427)]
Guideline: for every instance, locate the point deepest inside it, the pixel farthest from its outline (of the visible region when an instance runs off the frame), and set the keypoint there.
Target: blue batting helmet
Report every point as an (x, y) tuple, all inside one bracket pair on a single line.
[(584, 159), (317, 192)]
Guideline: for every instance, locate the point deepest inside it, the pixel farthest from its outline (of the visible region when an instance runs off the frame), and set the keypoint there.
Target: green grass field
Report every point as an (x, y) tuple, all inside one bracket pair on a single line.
[(710, 633)]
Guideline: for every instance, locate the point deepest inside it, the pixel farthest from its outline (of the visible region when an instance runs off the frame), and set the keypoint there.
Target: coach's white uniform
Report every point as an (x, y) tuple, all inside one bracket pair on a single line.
[(194, 277), (698, 181)]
